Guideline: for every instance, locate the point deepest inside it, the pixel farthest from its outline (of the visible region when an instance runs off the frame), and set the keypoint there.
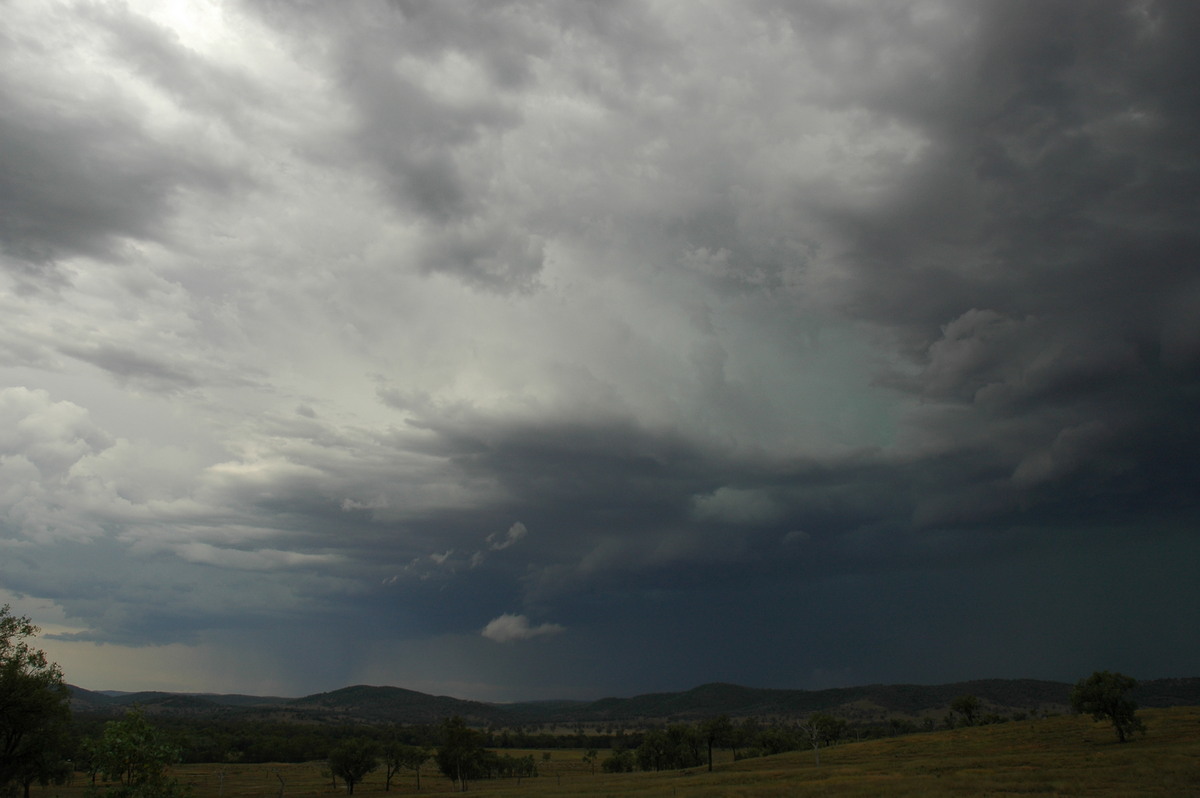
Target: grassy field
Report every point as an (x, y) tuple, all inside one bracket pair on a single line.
[(1055, 756)]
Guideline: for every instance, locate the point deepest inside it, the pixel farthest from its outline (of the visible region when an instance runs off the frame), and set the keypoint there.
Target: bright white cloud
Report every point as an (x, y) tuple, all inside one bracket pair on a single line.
[(508, 628)]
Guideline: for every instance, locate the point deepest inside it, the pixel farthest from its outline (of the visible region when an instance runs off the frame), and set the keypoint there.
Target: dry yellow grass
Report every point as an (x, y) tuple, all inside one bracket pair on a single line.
[(1068, 756)]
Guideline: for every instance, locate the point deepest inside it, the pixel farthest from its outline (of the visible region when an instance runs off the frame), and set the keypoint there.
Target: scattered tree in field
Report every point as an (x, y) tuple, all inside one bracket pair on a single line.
[(821, 728), (743, 735), (590, 757), (397, 756), (47, 766), (352, 761), (621, 761), (675, 748), (34, 708), (136, 755), (652, 753), (512, 767), (777, 739), (1104, 695), (87, 758), (717, 732), (966, 707), (460, 757), (390, 754)]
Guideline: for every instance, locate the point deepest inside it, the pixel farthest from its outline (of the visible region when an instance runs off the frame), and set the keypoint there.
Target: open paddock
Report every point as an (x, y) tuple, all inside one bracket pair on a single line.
[(1058, 756)]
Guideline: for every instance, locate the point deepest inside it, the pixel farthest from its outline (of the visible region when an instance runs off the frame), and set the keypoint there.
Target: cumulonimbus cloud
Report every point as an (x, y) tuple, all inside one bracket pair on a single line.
[(509, 627)]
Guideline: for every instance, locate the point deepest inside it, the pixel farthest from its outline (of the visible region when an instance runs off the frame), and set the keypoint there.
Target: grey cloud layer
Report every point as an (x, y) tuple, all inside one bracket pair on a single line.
[(573, 324)]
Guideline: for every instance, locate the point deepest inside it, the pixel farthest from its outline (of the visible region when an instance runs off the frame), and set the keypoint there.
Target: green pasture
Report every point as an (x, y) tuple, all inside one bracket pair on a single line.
[(1068, 755)]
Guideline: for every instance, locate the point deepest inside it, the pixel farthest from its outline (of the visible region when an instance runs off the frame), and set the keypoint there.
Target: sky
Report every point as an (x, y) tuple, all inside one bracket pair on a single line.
[(525, 350)]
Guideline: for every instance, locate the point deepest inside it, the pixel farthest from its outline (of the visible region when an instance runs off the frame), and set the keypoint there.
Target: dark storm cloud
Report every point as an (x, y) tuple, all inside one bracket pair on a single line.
[(786, 343), (1037, 285), (1034, 196)]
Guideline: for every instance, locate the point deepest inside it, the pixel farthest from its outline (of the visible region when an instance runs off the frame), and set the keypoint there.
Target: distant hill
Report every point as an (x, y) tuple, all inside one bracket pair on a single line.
[(115, 702), (387, 704), (867, 704)]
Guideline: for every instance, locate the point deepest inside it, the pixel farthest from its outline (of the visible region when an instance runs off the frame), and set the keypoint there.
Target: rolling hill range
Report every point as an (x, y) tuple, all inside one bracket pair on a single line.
[(368, 704)]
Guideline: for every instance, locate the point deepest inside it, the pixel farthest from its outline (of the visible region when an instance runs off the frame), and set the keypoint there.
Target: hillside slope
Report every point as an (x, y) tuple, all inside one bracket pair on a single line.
[(869, 703)]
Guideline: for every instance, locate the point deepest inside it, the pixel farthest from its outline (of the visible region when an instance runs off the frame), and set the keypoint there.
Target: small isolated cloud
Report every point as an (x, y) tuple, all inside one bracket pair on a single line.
[(515, 533), (509, 627)]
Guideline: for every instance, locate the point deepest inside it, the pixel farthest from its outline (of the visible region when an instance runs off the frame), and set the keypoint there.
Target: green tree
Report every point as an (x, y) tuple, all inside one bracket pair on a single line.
[(621, 761), (829, 728), (653, 753), (968, 707), (675, 748), (460, 757), (48, 766), (1105, 696), (34, 707), (718, 732), (822, 728), (398, 756), (352, 761), (512, 767), (744, 734), (87, 758), (136, 755)]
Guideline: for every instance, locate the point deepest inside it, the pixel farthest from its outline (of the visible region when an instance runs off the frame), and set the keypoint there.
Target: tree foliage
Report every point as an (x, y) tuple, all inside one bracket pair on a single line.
[(966, 707), (399, 756), (34, 707), (352, 761), (460, 756), (822, 729), (717, 732), (136, 755), (621, 761), (1105, 696), (676, 747)]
